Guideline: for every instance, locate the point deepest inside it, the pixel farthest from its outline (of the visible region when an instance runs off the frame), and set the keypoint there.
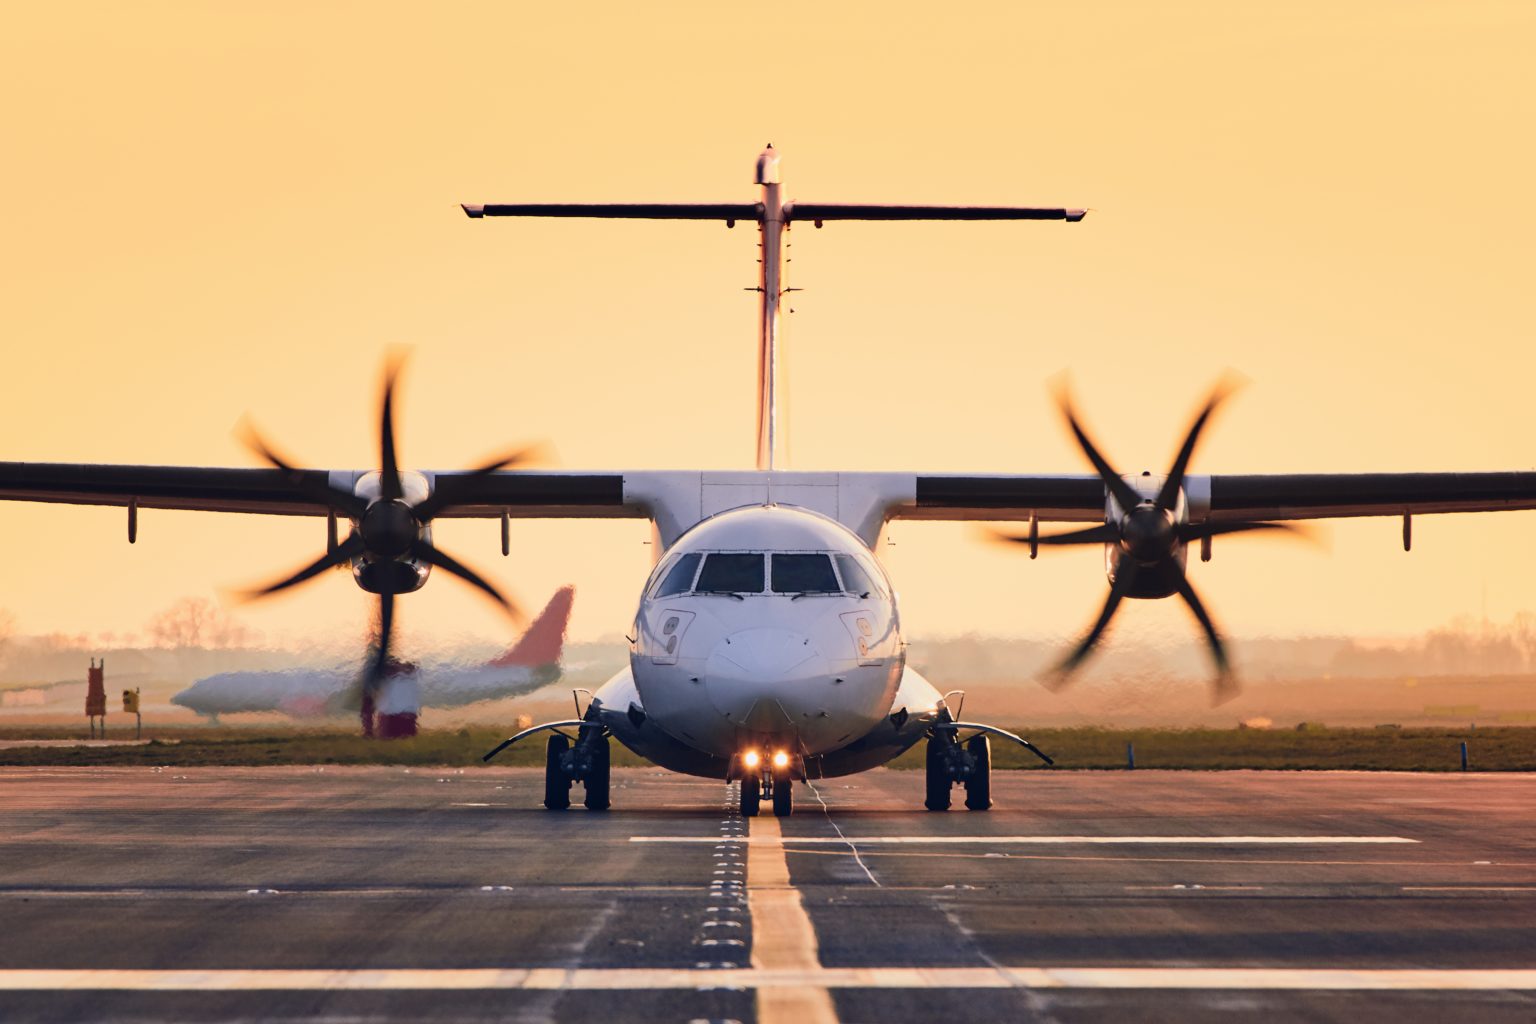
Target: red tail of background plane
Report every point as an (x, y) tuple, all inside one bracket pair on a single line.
[(542, 642)]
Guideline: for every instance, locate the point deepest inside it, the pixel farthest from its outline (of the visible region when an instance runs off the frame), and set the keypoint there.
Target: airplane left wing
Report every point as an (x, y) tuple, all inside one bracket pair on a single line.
[(276, 492)]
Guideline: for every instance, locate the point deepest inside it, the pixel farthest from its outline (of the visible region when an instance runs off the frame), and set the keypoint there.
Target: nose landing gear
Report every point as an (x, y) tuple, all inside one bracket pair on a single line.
[(774, 780)]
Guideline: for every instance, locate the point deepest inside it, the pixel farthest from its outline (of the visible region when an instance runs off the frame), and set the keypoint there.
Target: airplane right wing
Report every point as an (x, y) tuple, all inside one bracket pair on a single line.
[(1222, 497)]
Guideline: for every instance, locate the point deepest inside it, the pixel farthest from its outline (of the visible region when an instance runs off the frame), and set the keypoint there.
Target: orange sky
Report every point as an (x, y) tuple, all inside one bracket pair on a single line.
[(219, 209)]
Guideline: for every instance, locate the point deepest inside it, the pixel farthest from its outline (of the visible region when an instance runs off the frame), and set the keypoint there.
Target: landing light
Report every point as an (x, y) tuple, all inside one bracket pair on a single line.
[(780, 759), (751, 758)]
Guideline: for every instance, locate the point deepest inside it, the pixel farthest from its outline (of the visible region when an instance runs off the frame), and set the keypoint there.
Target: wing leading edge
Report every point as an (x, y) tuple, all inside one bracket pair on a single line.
[(651, 494)]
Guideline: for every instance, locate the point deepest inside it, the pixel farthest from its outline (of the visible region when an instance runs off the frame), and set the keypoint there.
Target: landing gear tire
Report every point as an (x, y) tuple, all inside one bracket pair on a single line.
[(557, 785), (751, 796), (783, 796), (938, 778), (978, 788), (597, 777)]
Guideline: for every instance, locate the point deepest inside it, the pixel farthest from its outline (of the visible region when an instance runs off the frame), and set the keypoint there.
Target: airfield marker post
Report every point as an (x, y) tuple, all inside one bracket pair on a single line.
[(96, 698), (131, 706), (1463, 755), (1130, 756)]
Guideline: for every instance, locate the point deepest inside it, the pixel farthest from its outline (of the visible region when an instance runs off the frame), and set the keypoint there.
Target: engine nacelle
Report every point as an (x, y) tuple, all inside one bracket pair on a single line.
[(390, 575)]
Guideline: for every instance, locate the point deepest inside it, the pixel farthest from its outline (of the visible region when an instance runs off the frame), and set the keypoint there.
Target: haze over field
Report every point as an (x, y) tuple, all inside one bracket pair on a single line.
[(1467, 670)]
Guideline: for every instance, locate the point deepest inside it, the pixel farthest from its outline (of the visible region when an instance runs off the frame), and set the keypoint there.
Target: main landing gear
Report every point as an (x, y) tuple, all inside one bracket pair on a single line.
[(777, 783), (969, 765), (586, 762)]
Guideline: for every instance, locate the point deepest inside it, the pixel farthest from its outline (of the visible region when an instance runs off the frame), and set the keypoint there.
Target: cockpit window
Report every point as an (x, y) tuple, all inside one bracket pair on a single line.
[(803, 574), (856, 579), (731, 574), (679, 579)]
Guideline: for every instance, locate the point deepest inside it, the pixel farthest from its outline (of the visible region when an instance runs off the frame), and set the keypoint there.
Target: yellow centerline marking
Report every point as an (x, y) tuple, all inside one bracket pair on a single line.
[(783, 938), (791, 985)]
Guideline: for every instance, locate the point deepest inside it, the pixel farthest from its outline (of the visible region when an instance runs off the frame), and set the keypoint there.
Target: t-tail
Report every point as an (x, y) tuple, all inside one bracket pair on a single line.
[(773, 215)]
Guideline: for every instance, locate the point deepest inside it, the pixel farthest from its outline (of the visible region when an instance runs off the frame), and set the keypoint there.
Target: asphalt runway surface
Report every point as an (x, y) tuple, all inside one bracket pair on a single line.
[(363, 894)]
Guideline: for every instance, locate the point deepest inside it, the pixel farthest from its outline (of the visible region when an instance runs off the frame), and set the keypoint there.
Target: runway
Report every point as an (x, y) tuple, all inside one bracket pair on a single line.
[(308, 894)]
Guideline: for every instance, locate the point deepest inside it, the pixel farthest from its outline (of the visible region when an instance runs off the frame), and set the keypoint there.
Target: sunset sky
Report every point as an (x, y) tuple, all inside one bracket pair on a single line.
[(213, 210)]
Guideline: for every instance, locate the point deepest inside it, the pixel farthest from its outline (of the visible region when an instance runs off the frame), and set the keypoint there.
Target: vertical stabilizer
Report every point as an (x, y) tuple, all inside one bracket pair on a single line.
[(543, 641), (770, 286)]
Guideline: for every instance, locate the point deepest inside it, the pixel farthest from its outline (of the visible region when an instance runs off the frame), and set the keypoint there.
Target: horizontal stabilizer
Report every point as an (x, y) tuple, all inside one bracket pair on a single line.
[(632, 211), (866, 211)]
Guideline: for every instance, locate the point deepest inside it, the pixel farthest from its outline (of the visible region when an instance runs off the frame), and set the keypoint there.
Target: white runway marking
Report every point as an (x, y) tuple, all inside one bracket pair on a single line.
[(1469, 888), (773, 979), (1048, 840)]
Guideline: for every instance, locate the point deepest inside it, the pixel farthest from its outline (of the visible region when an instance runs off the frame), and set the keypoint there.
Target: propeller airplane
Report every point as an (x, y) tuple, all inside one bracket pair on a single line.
[(767, 646)]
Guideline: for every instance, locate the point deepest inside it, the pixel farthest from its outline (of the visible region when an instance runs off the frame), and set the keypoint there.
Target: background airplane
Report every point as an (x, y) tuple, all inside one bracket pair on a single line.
[(530, 663)]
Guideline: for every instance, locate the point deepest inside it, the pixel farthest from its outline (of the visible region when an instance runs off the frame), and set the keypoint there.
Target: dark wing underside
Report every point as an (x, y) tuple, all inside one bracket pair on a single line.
[(1231, 497), (268, 491), (1327, 496), (535, 494), (273, 492)]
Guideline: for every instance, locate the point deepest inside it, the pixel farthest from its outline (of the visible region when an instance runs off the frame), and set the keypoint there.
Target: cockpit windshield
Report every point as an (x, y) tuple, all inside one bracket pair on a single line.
[(803, 574), (679, 579), (798, 573), (856, 579), (731, 574)]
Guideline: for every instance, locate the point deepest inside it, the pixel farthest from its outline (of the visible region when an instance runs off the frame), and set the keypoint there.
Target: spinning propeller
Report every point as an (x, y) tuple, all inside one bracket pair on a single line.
[(1150, 534), (389, 536)]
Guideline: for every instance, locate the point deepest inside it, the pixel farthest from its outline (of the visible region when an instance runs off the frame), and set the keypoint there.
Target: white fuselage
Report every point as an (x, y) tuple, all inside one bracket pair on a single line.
[(304, 692), (767, 627)]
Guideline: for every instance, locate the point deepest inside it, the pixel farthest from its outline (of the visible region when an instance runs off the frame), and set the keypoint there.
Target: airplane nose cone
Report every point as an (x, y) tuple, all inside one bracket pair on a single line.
[(765, 680)]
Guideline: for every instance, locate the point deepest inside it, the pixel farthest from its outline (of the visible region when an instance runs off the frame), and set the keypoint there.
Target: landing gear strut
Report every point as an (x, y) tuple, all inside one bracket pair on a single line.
[(586, 762), (949, 763), (776, 782)]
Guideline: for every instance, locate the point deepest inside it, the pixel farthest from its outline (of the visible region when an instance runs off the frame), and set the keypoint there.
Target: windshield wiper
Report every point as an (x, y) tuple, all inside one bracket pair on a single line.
[(814, 593), (720, 593)]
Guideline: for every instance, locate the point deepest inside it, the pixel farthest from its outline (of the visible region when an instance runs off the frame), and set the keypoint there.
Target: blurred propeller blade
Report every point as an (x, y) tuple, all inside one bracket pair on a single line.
[(374, 676), (1091, 535), (344, 502), (1169, 495), (1224, 687), (435, 556), (1062, 675), (434, 505), (344, 552), (389, 467), (1124, 494)]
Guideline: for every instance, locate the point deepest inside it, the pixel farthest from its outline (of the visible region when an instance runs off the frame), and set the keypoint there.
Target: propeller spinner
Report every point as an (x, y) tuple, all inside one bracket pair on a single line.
[(389, 539), (1148, 537)]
